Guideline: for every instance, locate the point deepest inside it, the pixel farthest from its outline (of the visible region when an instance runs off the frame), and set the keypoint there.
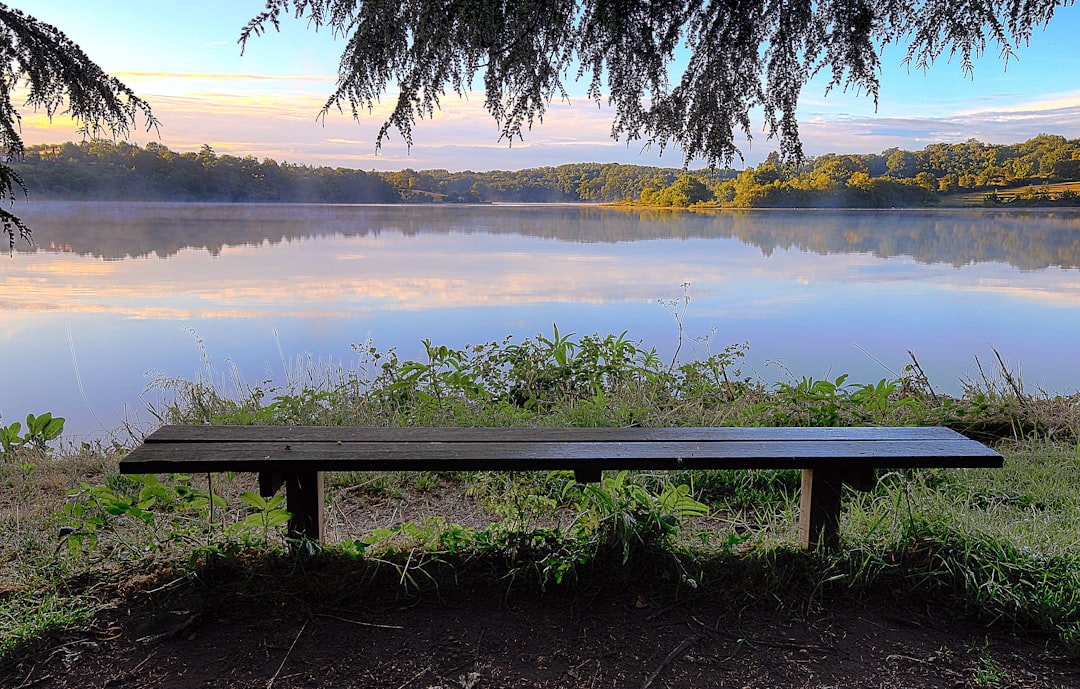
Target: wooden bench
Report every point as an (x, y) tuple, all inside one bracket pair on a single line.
[(297, 456)]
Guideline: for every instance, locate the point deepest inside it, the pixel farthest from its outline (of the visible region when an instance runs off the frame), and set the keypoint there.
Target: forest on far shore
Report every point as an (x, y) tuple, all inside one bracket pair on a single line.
[(1028, 173)]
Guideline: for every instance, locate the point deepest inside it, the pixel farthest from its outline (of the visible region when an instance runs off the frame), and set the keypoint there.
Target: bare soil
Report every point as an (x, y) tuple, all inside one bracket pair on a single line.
[(473, 622), (329, 624)]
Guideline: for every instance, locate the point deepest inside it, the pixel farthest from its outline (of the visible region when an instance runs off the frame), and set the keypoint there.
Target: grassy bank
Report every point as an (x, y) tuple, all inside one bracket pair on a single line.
[(1000, 544), (1045, 194)]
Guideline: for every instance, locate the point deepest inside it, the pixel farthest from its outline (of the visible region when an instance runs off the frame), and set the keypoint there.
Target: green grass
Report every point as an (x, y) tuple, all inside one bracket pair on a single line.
[(30, 617), (1001, 544), (1006, 195)]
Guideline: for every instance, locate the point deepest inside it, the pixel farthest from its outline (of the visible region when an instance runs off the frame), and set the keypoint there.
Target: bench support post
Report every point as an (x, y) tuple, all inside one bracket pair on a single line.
[(587, 475), (304, 499), (819, 511), (270, 483)]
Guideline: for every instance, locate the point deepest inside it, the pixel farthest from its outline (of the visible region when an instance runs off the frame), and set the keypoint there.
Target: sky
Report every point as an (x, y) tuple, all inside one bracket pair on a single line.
[(183, 57)]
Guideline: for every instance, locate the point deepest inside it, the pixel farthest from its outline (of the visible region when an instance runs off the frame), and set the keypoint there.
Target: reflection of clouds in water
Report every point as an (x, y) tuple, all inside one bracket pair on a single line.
[(358, 260), (787, 282), (751, 308), (442, 284), (1052, 289)]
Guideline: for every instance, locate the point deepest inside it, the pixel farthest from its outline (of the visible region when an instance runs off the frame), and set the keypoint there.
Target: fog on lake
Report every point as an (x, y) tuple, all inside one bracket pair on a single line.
[(112, 293)]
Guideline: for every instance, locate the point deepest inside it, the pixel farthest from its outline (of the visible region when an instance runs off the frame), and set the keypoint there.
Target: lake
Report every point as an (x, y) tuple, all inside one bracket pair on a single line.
[(113, 294)]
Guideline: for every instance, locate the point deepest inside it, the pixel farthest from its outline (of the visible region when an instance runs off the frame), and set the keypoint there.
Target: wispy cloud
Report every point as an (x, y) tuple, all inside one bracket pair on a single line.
[(223, 76), (279, 117), (1000, 124)]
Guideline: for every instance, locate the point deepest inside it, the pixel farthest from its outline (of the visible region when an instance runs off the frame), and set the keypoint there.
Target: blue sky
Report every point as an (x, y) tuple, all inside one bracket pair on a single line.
[(183, 57)]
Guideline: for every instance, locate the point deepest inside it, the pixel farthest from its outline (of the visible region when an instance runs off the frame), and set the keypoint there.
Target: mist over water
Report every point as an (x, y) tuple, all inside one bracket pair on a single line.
[(111, 292)]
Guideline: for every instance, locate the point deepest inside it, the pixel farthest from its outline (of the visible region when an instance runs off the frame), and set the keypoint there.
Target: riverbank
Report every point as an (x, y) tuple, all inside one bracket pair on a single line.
[(430, 579)]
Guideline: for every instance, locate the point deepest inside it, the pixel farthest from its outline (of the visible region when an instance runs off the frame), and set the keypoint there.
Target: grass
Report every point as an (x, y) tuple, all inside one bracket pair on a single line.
[(29, 618), (1000, 544), (1009, 194)]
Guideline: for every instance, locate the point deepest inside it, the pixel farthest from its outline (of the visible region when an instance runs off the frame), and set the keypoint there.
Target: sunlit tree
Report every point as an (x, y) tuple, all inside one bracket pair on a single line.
[(902, 164), (49, 73), (739, 55)]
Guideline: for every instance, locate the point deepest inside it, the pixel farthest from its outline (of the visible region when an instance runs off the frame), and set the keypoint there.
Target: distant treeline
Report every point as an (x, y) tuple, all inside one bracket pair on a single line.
[(110, 171), (893, 178), (571, 183)]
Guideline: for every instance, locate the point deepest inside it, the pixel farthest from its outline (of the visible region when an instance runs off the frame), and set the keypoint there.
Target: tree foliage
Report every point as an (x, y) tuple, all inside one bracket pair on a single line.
[(895, 178), (106, 170), (57, 78), (103, 170), (741, 55)]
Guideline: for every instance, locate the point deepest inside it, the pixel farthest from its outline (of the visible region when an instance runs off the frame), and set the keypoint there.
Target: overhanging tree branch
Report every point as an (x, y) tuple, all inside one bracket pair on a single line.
[(59, 79), (744, 54)]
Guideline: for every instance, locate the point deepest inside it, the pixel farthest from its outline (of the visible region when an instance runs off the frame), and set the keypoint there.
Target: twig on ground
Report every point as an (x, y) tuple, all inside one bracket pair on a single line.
[(743, 639), (679, 650), (362, 624), (415, 677), (270, 684), (169, 585), (894, 657), (27, 682), (122, 679)]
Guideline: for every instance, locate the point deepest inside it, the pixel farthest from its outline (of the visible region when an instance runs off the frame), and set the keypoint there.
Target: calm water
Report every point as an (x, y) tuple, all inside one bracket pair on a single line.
[(113, 293)]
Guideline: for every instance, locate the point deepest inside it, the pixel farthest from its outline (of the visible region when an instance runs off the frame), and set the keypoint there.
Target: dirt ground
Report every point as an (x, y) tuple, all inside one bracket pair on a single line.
[(273, 627)]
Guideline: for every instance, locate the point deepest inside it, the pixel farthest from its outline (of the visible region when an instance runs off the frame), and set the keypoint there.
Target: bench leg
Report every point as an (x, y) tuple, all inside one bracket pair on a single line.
[(819, 513), (270, 483), (587, 475), (304, 499)]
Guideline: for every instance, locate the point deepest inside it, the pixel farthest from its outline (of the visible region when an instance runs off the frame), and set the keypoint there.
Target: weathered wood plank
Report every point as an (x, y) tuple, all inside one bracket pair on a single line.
[(517, 456), (334, 434), (480, 451)]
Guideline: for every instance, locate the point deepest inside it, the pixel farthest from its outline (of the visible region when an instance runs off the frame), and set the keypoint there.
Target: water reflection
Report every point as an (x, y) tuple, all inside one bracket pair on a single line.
[(115, 290), (1028, 240)]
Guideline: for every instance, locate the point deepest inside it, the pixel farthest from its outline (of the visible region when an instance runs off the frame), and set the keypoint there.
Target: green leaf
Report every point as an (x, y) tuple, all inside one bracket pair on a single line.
[(9, 436), (678, 501), (275, 502), (277, 517), (145, 504), (254, 499), (34, 424), (267, 519)]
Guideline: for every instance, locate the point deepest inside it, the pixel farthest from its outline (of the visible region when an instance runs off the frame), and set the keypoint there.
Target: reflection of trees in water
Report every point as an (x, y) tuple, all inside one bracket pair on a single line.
[(1028, 240)]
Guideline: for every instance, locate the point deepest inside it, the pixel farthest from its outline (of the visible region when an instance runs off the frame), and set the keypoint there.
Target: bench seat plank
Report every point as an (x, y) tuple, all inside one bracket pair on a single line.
[(333, 434), (524, 456), (296, 456)]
